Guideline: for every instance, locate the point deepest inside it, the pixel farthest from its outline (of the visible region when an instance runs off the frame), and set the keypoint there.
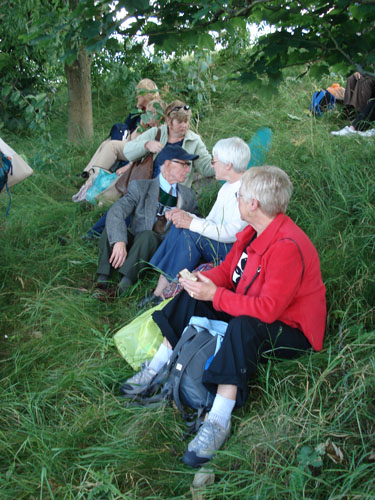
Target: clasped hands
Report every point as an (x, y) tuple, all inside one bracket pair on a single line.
[(203, 289), (180, 218)]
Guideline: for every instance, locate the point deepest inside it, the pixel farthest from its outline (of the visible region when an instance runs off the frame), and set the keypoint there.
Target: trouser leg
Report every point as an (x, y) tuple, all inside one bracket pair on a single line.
[(170, 254), (365, 117), (99, 226), (173, 318), (144, 245), (211, 250), (107, 153), (105, 251), (246, 341)]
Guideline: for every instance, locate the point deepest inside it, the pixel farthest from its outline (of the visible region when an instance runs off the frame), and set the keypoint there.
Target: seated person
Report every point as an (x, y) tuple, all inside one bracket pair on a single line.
[(129, 249), (359, 95), (359, 89), (192, 238), (175, 132), (361, 123), (270, 292), (111, 150), (107, 150)]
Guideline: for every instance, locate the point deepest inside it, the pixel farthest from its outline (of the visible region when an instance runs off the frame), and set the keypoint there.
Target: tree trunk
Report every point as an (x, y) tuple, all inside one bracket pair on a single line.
[(80, 105)]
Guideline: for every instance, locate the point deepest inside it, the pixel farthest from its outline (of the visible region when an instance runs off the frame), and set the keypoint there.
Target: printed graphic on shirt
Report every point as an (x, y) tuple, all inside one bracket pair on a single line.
[(237, 273)]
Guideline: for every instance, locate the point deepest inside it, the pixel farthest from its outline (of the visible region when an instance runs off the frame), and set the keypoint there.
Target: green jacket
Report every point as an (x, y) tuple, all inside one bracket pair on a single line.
[(193, 144)]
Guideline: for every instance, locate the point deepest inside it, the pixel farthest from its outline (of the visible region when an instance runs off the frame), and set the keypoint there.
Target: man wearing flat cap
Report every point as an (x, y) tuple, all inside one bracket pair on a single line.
[(129, 247)]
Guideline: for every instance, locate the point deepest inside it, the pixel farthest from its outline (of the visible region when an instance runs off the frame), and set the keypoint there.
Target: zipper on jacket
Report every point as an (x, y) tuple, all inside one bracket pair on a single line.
[(254, 278)]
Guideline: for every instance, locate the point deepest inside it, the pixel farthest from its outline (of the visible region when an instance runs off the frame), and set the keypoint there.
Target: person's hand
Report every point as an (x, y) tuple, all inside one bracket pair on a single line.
[(180, 218), (169, 213), (118, 255), (357, 75), (203, 289), (154, 146), (122, 170)]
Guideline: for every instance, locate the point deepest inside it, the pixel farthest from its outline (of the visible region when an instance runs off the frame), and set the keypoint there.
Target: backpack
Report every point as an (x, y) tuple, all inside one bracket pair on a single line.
[(322, 100), (118, 131), (181, 379), (6, 168)]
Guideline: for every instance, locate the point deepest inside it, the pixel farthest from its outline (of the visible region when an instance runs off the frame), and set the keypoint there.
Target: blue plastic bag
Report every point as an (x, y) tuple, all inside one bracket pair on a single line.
[(103, 180)]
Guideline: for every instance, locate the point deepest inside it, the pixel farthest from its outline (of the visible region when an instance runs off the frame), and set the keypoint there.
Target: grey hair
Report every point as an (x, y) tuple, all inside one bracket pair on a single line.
[(269, 185), (233, 150)]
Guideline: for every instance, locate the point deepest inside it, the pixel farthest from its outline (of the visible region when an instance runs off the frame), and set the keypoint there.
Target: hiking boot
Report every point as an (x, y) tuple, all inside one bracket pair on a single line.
[(102, 281), (124, 284), (139, 382), (210, 437)]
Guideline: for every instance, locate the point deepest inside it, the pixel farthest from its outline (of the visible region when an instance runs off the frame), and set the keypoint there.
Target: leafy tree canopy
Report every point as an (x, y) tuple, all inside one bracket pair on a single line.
[(321, 33)]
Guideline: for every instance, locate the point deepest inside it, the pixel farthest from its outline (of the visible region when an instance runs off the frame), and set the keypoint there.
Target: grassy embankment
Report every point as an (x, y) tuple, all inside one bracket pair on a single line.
[(64, 434)]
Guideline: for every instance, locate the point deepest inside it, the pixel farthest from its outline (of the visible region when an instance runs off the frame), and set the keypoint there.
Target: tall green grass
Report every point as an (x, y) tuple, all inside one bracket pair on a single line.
[(65, 433)]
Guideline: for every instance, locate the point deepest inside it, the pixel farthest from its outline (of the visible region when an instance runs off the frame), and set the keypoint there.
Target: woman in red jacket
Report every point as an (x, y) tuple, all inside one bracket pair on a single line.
[(270, 292)]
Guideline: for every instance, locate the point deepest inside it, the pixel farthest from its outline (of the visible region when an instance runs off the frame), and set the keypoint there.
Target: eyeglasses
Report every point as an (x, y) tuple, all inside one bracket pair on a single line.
[(214, 161), (177, 108), (185, 164), (238, 195)]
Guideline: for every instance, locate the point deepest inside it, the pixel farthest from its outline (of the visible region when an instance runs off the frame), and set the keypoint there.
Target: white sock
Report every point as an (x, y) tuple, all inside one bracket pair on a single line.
[(221, 410), (161, 357)]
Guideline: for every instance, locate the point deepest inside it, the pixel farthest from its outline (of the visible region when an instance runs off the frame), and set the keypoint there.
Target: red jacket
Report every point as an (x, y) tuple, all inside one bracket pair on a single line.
[(286, 287)]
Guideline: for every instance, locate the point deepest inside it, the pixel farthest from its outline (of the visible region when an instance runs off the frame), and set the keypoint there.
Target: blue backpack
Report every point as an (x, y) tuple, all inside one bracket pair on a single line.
[(322, 100), (6, 168)]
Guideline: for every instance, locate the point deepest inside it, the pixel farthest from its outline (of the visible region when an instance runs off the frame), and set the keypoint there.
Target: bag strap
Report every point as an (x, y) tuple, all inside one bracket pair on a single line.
[(7, 167), (197, 343)]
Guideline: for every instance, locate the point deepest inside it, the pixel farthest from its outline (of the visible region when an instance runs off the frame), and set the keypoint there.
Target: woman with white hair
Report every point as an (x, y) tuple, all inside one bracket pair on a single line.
[(268, 290), (192, 238)]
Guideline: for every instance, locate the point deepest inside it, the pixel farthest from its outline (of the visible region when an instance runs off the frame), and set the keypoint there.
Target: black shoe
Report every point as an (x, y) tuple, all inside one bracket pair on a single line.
[(102, 281), (150, 301), (124, 284)]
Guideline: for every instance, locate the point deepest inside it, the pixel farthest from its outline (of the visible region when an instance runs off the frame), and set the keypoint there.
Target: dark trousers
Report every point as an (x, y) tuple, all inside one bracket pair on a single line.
[(365, 117), (246, 341), (139, 247)]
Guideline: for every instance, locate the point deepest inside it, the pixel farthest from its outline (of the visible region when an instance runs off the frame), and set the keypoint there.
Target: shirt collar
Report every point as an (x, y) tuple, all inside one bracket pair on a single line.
[(164, 184)]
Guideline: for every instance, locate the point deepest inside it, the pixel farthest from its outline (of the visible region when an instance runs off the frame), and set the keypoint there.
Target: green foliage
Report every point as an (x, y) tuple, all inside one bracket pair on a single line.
[(65, 433), (28, 73)]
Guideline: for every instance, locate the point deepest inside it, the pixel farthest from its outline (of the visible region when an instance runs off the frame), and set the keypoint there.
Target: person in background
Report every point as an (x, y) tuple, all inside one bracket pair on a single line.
[(129, 247), (193, 238), (174, 133), (359, 98), (108, 153), (269, 290), (112, 148)]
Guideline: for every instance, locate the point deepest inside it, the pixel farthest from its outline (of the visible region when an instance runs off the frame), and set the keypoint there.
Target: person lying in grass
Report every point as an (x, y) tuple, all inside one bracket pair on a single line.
[(192, 238), (269, 290)]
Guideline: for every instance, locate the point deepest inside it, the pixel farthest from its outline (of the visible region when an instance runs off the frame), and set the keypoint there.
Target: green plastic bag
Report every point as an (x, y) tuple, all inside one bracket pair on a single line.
[(140, 339)]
